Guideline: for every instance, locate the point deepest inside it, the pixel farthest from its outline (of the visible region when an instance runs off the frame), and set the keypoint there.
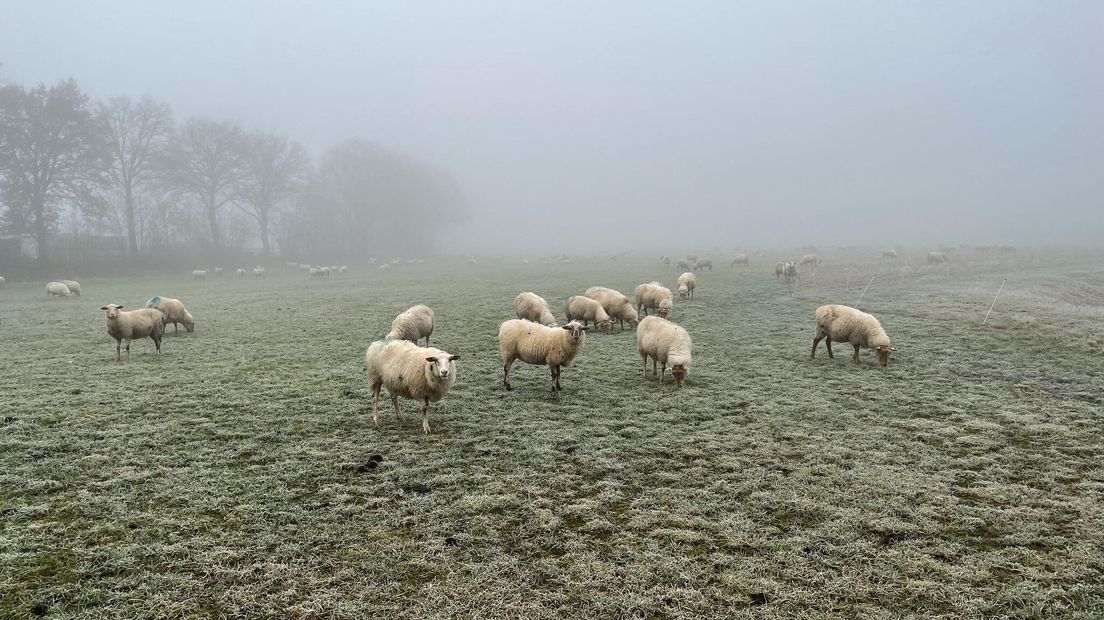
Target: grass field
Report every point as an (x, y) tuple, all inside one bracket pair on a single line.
[(230, 476)]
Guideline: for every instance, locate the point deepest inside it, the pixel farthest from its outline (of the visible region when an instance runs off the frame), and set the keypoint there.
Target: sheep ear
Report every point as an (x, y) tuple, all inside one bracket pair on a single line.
[(431, 359), (119, 307), (103, 308), (453, 357), (567, 327)]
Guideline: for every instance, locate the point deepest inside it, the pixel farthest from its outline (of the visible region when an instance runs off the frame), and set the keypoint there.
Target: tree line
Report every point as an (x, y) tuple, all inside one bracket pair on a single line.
[(127, 169)]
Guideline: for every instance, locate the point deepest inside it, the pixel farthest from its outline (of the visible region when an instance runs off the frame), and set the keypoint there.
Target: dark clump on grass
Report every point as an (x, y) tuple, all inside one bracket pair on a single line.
[(758, 598), (420, 489), (367, 466), (451, 542), (7, 512), (40, 608)]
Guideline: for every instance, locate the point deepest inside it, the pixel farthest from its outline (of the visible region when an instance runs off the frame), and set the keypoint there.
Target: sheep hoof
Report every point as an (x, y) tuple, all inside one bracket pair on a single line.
[(509, 388)]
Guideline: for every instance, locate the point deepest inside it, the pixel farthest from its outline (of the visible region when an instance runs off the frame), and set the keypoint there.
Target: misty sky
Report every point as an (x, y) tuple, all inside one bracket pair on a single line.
[(655, 126)]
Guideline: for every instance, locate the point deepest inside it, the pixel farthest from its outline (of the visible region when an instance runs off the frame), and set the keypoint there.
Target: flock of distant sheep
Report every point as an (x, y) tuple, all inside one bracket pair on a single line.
[(426, 374)]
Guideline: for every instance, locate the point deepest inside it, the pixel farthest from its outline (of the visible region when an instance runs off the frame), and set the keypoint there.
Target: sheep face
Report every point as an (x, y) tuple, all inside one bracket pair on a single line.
[(440, 366), (883, 354), (678, 371), (112, 310), (189, 323), (664, 309), (606, 325), (683, 291), (577, 330)]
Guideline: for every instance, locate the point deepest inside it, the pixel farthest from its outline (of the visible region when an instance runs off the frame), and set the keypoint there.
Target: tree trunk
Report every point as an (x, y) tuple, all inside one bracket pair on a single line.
[(39, 209), (212, 219), (262, 220), (132, 233)]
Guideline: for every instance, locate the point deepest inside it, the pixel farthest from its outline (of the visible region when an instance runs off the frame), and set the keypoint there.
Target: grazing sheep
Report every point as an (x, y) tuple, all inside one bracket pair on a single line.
[(533, 307), (290, 265), (616, 305), (938, 257), (74, 286), (174, 312), (342, 269), (384, 267), (218, 272), (666, 343), (579, 307), (808, 259), (654, 296), (686, 284), (534, 343), (199, 274), (412, 324), (891, 254), (324, 272), (846, 324), (683, 264), (702, 264), (779, 270), (134, 325), (241, 272), (304, 266), (258, 272), (57, 289), (666, 261), (739, 259), (315, 272), (420, 373)]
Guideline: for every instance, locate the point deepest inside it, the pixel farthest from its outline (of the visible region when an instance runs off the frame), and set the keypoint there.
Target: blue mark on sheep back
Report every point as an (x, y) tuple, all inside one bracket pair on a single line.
[(156, 299)]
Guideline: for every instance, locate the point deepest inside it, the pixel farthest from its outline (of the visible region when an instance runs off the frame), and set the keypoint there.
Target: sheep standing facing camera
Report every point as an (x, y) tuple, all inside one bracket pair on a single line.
[(420, 373), (134, 325), (687, 282)]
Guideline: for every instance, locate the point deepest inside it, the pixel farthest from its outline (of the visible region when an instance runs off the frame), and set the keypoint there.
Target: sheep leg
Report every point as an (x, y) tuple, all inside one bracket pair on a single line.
[(655, 367), (856, 357), (552, 369), (662, 372), (558, 371), (127, 346), (644, 358), (118, 349), (816, 341), (375, 404), (425, 416), (398, 409), (506, 373), (828, 343)]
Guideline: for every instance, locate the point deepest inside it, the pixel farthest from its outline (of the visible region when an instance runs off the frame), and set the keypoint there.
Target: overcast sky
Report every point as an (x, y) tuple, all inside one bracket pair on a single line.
[(642, 123)]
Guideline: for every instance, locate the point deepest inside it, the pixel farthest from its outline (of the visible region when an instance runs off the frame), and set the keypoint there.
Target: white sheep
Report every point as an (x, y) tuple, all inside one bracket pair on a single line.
[(241, 272), (342, 269), (686, 284), (174, 312), (846, 324), (533, 307), (779, 270), (290, 265), (3, 281), (790, 273), (324, 272), (134, 325), (938, 257), (809, 259), (684, 264), (739, 259), (667, 344), (890, 254), (654, 296), (199, 274), (74, 286), (420, 373), (616, 305), (218, 272), (703, 264), (314, 272), (586, 309), (412, 324), (666, 260), (534, 343), (258, 272), (57, 289)]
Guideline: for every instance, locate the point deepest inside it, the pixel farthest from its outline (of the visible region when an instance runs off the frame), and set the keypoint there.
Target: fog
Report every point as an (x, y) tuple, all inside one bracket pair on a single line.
[(653, 127)]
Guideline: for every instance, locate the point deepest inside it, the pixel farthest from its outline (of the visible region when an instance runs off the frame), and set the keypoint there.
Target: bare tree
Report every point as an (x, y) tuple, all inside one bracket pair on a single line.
[(204, 160), (136, 132), (275, 169), (51, 150)]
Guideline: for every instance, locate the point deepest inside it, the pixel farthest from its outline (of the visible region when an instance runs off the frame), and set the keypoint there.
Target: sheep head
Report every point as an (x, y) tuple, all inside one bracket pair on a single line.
[(883, 354), (684, 290), (605, 325), (664, 308), (112, 310), (189, 322), (576, 330), (441, 366), (678, 371)]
